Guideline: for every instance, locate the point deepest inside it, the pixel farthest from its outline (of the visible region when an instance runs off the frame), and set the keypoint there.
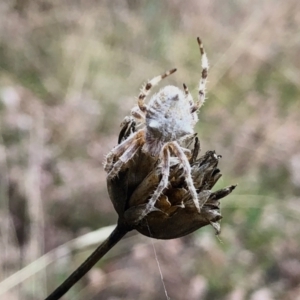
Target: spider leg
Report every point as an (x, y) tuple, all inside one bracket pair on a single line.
[(138, 114), (146, 89), (162, 184), (119, 150), (187, 171), (124, 158), (188, 95), (202, 82), (187, 152)]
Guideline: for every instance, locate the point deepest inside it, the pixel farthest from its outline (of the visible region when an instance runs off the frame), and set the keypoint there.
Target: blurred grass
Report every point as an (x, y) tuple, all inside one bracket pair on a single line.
[(70, 72)]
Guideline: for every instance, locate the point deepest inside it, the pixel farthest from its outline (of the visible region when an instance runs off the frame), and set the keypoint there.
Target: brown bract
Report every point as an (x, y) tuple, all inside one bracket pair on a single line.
[(174, 214)]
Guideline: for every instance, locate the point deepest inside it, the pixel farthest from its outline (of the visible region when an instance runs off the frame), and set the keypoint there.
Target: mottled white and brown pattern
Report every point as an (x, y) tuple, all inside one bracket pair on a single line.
[(170, 115)]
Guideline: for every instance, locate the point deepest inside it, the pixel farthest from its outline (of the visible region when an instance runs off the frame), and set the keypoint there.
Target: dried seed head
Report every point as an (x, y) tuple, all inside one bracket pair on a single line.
[(174, 214)]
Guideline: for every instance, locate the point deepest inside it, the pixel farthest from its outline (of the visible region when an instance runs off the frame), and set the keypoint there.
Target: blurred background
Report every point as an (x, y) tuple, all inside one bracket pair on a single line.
[(70, 72)]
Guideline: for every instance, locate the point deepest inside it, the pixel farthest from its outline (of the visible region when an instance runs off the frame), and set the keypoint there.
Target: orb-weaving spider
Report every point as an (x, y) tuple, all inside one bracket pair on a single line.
[(171, 114)]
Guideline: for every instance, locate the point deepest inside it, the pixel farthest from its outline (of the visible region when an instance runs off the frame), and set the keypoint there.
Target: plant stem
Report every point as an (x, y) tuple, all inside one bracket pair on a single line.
[(118, 233)]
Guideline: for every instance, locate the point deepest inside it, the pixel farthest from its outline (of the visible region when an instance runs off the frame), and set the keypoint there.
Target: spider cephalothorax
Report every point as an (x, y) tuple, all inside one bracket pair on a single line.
[(170, 115)]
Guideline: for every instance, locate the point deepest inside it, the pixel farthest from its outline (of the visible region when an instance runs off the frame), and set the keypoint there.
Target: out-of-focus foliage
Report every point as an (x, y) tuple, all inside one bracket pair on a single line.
[(69, 73)]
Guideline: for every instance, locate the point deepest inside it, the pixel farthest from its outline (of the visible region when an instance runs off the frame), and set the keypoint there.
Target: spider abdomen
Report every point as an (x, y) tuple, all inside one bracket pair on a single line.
[(168, 118)]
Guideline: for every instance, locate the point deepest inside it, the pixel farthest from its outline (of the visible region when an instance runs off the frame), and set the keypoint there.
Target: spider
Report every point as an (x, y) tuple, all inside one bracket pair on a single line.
[(170, 115)]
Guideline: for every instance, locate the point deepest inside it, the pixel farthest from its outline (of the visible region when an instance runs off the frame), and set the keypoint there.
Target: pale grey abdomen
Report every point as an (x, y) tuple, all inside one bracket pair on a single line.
[(168, 118)]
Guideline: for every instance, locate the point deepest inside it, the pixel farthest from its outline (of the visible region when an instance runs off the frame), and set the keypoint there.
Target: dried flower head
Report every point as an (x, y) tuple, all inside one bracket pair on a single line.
[(174, 214)]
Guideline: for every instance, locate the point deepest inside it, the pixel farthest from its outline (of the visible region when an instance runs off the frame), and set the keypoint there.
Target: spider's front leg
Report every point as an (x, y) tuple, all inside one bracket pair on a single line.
[(187, 172), (138, 114), (146, 89), (202, 82), (188, 95)]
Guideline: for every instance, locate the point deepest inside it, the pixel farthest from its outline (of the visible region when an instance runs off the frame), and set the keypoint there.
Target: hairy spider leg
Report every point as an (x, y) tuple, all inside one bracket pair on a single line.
[(177, 150), (162, 184), (120, 149), (138, 114), (146, 89), (202, 82), (188, 95), (124, 158)]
